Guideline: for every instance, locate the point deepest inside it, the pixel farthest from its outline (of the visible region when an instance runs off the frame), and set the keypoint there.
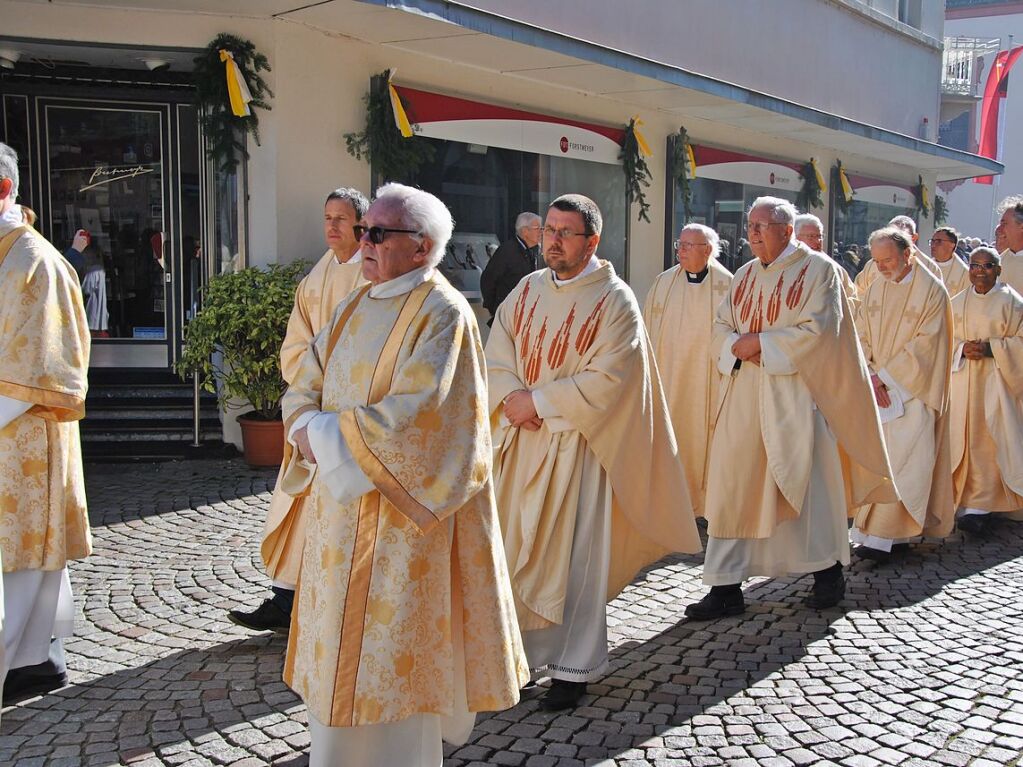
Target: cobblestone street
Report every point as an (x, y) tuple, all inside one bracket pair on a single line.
[(924, 666)]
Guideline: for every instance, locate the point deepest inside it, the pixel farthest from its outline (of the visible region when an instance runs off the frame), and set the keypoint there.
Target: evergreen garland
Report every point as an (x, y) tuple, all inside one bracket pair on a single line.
[(637, 172), (392, 156), (223, 129), (842, 203), (680, 170), (940, 210), (809, 195)]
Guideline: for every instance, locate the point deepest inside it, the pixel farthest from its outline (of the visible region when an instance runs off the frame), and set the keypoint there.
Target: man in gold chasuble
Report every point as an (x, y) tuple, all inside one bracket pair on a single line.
[(334, 276), (589, 484), (797, 440), (404, 623)]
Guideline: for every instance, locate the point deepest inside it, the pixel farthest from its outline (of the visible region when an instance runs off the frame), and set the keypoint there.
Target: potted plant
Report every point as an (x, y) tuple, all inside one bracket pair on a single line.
[(233, 345)]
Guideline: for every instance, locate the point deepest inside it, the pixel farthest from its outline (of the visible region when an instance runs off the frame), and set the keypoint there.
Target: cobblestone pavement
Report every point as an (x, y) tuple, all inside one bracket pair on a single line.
[(923, 667)]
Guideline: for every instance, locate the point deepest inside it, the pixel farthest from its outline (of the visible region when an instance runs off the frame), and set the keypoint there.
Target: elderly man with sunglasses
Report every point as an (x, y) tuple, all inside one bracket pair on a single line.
[(405, 623), (679, 314), (987, 396), (334, 276)]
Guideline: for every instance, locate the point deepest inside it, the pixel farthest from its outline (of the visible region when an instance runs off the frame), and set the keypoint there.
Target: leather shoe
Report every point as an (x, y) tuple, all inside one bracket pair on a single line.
[(267, 617), (828, 589), (874, 555), (562, 695), (975, 524), (22, 683), (721, 602)]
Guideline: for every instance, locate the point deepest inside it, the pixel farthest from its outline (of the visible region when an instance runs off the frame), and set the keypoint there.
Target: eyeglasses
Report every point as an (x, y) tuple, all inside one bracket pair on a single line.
[(377, 233), (987, 267), (936, 240), (687, 246), (549, 232), (757, 228)]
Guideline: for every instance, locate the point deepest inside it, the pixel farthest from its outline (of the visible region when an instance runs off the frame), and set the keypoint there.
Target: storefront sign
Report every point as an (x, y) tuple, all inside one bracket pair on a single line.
[(472, 122), (739, 168), (874, 190), (103, 175)]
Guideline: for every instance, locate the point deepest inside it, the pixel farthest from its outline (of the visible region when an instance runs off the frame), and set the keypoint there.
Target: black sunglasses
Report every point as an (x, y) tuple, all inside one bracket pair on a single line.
[(377, 233)]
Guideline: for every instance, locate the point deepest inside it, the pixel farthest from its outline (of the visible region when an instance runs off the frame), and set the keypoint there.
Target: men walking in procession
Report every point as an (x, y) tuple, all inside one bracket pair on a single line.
[(333, 277), (905, 328), (1010, 230), (954, 273), (869, 273), (679, 314), (809, 230), (797, 428), (405, 622), (44, 362), (588, 480), (987, 396)]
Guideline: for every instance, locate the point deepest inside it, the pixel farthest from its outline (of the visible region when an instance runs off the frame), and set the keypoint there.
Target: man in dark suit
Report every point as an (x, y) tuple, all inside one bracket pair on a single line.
[(512, 261)]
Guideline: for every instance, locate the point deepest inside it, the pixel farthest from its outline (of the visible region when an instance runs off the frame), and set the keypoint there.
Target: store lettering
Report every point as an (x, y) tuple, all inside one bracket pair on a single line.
[(109, 175)]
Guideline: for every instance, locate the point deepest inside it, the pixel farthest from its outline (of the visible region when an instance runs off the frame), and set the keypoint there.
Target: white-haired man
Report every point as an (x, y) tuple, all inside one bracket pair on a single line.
[(335, 275), (905, 329), (512, 261), (1010, 230), (679, 314), (907, 225), (588, 480), (809, 230), (404, 622), (44, 364), (797, 427)]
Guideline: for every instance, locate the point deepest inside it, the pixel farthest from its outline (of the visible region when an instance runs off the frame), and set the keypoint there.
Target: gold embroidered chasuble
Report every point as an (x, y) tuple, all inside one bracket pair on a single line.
[(869, 273), (584, 347), (987, 402), (761, 453), (371, 634), (679, 316), (955, 275), (44, 360), (906, 330), (317, 296), (1012, 270)]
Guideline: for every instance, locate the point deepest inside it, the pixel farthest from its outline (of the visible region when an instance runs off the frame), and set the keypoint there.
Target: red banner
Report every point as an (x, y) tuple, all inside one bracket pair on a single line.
[(994, 91)]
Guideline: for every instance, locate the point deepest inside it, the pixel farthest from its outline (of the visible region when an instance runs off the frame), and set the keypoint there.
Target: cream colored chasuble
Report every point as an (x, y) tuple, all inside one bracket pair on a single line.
[(955, 275), (987, 401)]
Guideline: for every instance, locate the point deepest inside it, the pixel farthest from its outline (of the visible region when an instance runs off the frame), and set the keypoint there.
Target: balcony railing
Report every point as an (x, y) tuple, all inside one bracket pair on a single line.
[(961, 75)]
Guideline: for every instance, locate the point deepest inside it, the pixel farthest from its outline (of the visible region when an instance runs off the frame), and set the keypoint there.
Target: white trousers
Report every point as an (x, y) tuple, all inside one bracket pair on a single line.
[(38, 605)]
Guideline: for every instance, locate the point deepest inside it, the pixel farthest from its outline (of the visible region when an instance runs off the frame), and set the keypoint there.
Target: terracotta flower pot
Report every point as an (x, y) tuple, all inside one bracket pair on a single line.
[(263, 441)]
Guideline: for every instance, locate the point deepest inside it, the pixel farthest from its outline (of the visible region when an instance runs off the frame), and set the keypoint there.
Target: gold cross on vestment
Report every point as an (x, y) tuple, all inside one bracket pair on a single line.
[(873, 308), (911, 315)]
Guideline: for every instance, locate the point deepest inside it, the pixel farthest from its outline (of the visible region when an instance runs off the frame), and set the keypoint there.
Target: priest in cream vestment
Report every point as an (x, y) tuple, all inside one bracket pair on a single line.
[(869, 273), (954, 273), (404, 622), (905, 327), (1010, 229), (987, 396), (44, 362), (334, 276), (809, 230), (797, 440), (589, 484), (679, 313)]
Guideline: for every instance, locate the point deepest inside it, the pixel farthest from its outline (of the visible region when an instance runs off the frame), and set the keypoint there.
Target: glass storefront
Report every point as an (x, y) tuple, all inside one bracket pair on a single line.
[(874, 204)]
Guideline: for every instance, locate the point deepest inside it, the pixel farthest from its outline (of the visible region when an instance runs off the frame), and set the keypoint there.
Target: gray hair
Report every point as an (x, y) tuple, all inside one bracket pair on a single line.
[(1015, 202), (782, 211), (353, 197), (984, 250), (593, 222), (9, 168), (894, 235), (713, 239), (807, 219), (904, 223), (524, 220), (423, 212)]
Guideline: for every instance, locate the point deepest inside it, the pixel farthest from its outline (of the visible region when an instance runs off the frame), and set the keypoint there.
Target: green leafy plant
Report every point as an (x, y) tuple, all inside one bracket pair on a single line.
[(940, 210), (637, 172), (681, 168), (393, 156), (244, 317), (809, 195), (223, 128)]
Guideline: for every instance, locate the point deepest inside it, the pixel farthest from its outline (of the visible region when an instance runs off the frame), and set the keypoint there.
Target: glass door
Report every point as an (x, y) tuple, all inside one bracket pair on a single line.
[(107, 173)]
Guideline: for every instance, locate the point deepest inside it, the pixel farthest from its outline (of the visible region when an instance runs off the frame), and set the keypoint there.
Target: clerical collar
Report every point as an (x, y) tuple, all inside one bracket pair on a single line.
[(698, 277), (789, 250), (12, 218), (355, 259), (591, 266), (399, 286)]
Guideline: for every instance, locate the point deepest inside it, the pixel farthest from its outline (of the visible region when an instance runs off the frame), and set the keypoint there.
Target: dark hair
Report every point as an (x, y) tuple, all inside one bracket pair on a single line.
[(951, 232), (353, 197), (593, 222)]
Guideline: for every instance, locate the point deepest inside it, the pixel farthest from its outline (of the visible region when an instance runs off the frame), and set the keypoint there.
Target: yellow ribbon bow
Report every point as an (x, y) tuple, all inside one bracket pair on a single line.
[(843, 180), (692, 160), (237, 88), (924, 197), (820, 178), (640, 139), (400, 118)]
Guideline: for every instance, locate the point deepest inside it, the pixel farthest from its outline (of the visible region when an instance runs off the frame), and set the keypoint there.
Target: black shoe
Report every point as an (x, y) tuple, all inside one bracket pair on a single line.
[(29, 681), (828, 588), (562, 695), (721, 602), (267, 617), (874, 555), (975, 524)]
